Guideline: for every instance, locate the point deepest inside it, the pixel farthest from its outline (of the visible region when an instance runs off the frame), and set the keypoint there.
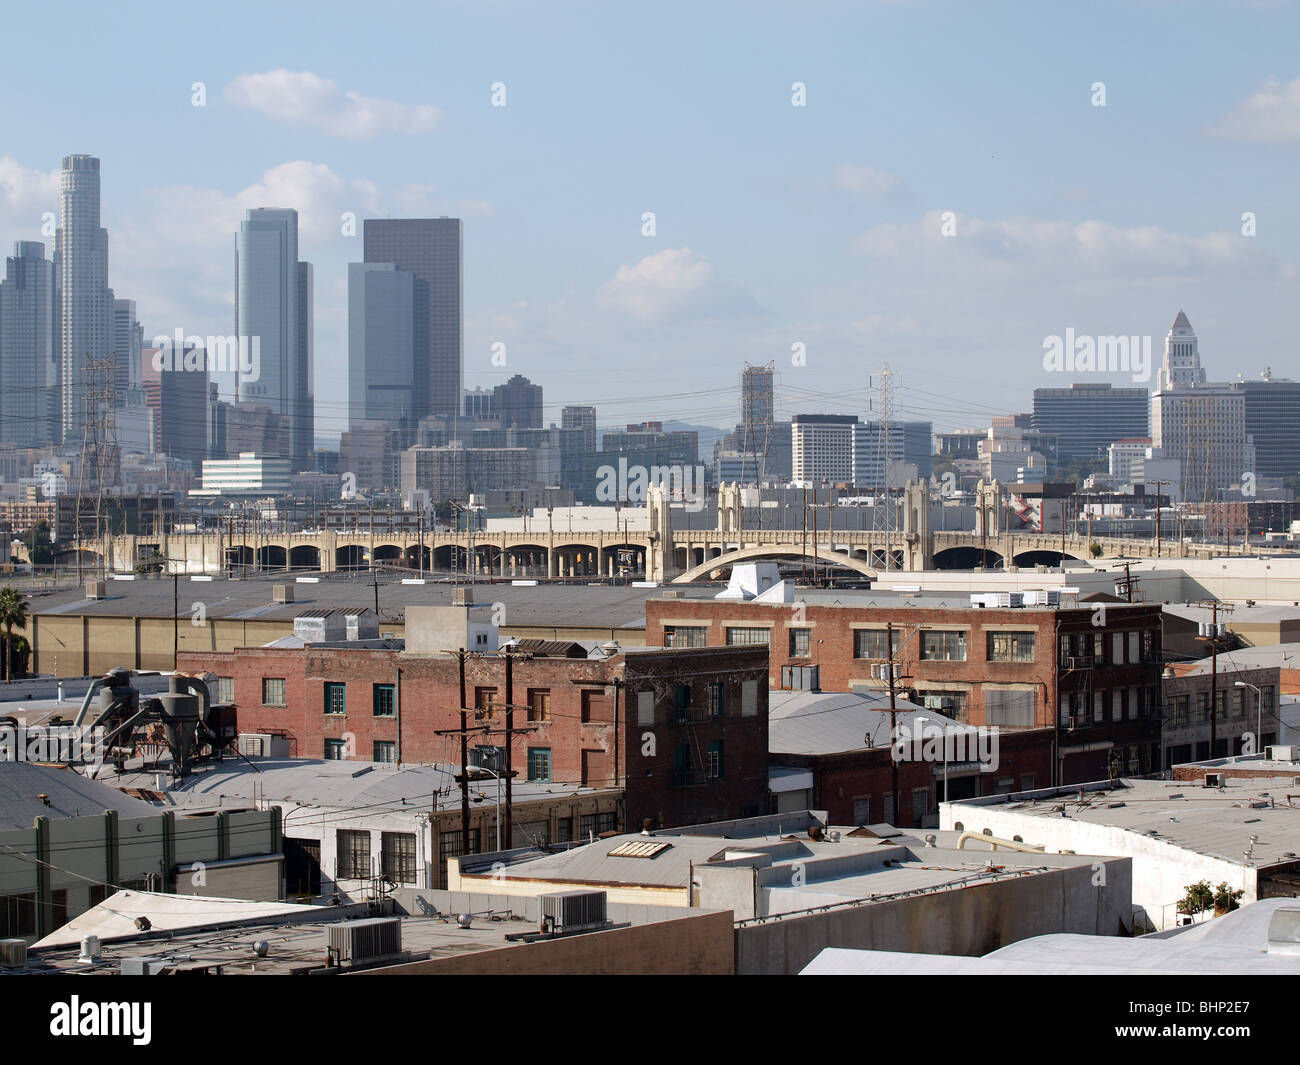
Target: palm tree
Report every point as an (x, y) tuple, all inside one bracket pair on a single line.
[(13, 615)]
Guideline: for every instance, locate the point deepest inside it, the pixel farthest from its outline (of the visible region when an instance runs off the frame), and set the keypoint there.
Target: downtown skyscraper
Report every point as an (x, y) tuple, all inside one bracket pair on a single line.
[(431, 249), (28, 343), (273, 309), (85, 300)]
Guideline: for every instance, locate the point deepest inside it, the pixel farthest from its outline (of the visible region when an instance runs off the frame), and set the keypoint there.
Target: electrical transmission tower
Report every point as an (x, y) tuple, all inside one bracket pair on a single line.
[(100, 458)]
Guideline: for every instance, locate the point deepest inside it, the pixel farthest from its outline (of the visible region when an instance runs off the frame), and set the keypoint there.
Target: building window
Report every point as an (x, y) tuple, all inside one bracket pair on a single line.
[(564, 830), (594, 824), (872, 643), (353, 854), (336, 698), (685, 635), (1009, 709), (225, 689), (715, 700), (592, 703), (273, 691), (943, 646), (397, 856), (385, 700), (645, 708), (336, 750), (539, 763), (485, 701), (715, 760), (801, 643), (920, 806), (1011, 646), (385, 751), (449, 844), (747, 637), (539, 704), (17, 916)]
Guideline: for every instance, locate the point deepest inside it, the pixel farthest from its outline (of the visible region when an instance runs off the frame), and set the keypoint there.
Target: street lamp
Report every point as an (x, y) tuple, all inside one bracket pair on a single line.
[(1259, 703)]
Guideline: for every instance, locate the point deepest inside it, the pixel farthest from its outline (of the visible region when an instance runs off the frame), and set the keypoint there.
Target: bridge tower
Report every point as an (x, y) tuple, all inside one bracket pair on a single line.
[(918, 540), (729, 508), (661, 556)]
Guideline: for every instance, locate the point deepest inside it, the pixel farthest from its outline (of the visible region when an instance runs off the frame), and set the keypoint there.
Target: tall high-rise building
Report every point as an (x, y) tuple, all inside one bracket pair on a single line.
[(1273, 423), (431, 249), (1202, 425), (128, 343), (1087, 418), (28, 369), (519, 403), (179, 401), (583, 418), (274, 305), (85, 300), (381, 347), (823, 446)]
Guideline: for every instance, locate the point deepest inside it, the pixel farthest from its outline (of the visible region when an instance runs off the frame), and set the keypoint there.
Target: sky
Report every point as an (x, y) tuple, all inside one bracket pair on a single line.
[(954, 184)]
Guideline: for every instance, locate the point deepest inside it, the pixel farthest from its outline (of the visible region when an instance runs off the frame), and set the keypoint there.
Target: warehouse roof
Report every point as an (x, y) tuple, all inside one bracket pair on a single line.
[(803, 722), (69, 794)]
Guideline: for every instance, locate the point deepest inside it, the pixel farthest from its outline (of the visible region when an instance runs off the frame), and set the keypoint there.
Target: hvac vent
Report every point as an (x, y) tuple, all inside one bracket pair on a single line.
[(96, 589), (574, 911), (358, 942), (13, 953), (282, 593)]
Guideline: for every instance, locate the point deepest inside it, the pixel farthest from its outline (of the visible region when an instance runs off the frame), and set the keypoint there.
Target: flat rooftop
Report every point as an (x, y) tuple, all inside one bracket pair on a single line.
[(1215, 822)]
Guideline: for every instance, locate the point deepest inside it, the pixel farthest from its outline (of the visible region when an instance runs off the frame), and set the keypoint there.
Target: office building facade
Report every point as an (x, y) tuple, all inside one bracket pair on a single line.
[(1087, 418), (28, 368), (381, 346)]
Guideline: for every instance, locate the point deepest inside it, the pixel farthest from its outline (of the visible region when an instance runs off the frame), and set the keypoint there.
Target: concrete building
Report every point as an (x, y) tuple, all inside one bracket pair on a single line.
[(66, 843), (1088, 418), (1257, 940), (1201, 425), (1244, 717), (431, 249), (795, 885), (583, 418), (366, 451), (85, 300), (381, 347), (1273, 423), (518, 403), (274, 305), (176, 393), (455, 472), (1243, 833), (128, 344), (1122, 455), (249, 474), (28, 345)]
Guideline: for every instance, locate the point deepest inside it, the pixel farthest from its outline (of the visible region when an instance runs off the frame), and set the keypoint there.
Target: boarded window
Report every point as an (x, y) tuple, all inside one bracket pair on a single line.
[(749, 698), (862, 809), (645, 708), (1011, 709)]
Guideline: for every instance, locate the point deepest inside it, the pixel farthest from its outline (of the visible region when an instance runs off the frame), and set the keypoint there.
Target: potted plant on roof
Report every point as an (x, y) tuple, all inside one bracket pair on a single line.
[(1225, 899), (1199, 898)]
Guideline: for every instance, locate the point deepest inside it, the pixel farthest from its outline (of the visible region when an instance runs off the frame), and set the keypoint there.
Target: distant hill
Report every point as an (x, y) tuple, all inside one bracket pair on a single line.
[(709, 435)]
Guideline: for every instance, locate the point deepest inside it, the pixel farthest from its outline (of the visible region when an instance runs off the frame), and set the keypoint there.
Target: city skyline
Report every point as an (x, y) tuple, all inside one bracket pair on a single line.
[(784, 231)]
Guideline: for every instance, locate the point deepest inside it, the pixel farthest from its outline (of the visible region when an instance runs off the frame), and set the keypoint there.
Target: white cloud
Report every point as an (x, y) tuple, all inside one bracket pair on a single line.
[(672, 285), (851, 177), (1270, 114), (25, 194), (302, 98)]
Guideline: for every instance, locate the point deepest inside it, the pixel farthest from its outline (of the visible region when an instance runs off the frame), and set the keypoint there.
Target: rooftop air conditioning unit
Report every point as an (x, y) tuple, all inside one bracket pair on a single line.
[(574, 911), (282, 593), (359, 942), (1284, 753), (96, 589), (13, 953)]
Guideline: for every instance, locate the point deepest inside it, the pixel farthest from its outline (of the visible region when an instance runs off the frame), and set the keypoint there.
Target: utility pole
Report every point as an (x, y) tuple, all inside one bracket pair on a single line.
[(509, 654), (1214, 675), (1158, 485), (176, 615), (464, 730)]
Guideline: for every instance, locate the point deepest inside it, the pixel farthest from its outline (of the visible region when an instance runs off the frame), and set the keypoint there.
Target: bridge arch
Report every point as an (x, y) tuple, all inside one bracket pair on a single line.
[(350, 556), (390, 553), (967, 558), (774, 551), (304, 556), (271, 556), (1040, 557)]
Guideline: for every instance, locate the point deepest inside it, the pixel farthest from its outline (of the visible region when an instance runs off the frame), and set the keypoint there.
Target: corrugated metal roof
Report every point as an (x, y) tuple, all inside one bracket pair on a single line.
[(70, 795)]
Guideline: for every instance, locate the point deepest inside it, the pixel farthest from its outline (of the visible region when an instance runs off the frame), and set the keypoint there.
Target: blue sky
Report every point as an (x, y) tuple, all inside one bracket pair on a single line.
[(775, 224)]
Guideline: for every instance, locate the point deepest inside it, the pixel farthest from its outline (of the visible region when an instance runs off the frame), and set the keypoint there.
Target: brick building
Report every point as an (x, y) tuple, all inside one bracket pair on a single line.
[(683, 732), (1090, 672)]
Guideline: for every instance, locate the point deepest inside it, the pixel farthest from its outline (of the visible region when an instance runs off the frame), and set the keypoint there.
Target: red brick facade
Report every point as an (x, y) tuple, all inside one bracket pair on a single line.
[(684, 732), (1072, 664)]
